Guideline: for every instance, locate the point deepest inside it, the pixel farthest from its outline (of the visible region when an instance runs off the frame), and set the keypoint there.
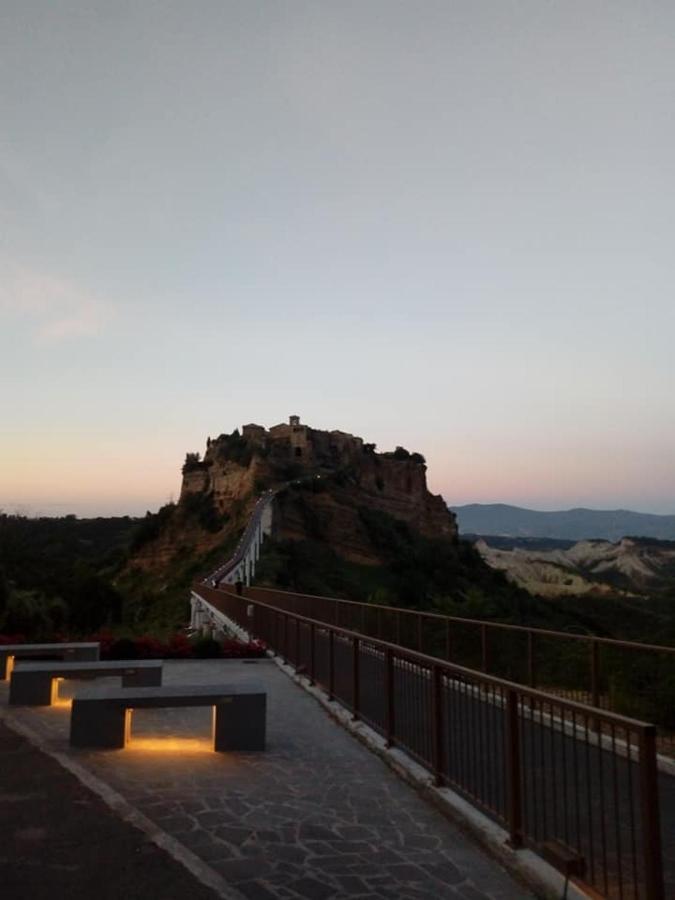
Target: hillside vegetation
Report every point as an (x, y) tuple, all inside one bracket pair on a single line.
[(348, 522)]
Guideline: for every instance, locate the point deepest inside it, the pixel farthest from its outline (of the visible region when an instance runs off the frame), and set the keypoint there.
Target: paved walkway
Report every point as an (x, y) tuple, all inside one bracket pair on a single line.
[(61, 841), (317, 816)]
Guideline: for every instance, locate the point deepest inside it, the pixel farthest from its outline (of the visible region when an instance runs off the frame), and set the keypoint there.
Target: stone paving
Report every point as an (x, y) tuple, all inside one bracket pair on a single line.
[(316, 816)]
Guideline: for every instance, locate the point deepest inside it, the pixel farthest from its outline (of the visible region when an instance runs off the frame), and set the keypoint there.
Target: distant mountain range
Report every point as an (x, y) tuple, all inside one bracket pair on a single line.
[(570, 524)]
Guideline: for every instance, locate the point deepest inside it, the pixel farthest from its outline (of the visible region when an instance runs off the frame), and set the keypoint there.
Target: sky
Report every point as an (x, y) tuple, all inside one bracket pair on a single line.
[(443, 225)]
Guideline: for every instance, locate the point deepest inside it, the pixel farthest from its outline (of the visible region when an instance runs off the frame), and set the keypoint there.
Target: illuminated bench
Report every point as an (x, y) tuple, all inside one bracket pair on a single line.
[(36, 683), (71, 652), (104, 720)]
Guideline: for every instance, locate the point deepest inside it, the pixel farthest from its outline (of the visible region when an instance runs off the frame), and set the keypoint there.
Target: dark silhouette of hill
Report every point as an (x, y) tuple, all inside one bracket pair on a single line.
[(571, 524)]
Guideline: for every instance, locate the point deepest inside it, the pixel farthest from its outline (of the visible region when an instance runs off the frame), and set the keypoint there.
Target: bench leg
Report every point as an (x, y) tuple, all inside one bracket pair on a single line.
[(240, 723), (30, 689), (97, 725)]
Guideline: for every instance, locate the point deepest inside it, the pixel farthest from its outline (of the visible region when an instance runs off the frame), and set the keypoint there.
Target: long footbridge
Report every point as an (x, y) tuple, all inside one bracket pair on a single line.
[(523, 723)]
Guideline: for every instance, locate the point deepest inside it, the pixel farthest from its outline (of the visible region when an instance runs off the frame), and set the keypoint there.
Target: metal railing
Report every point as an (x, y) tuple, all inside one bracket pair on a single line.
[(625, 677), (576, 784)]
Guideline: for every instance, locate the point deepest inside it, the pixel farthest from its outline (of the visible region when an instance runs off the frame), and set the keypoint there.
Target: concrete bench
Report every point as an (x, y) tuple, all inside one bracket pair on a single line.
[(104, 720), (71, 652), (34, 684)]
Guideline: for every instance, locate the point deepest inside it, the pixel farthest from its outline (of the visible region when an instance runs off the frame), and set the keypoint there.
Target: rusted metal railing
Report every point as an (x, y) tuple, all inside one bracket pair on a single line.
[(626, 677), (576, 784)]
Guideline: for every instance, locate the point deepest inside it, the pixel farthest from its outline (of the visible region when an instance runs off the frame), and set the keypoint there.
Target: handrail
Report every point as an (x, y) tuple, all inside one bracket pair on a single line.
[(624, 676), (400, 610), (575, 783), (431, 661)]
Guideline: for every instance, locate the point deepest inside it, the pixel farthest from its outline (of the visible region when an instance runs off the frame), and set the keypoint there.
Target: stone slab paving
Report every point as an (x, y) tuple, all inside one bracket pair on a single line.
[(316, 816)]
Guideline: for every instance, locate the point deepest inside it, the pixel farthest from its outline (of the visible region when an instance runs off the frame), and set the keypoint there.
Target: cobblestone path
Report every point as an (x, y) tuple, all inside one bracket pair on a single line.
[(316, 816)]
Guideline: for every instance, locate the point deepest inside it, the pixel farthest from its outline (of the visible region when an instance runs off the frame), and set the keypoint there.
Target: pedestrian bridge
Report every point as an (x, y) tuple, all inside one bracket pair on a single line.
[(579, 785)]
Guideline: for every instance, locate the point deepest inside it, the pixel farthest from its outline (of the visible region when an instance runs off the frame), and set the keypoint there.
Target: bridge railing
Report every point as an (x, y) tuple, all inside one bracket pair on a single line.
[(625, 677), (578, 785)]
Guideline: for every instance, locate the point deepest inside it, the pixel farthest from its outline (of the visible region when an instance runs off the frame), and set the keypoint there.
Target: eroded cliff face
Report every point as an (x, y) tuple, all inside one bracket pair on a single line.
[(325, 481), (334, 509)]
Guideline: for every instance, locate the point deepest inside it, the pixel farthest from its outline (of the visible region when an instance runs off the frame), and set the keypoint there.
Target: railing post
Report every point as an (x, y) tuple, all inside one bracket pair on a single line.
[(513, 780), (437, 724), (651, 824), (531, 673), (483, 648), (379, 624), (297, 644), (398, 628), (312, 656), (284, 649), (389, 695), (595, 673), (448, 640), (356, 643), (419, 632), (331, 664)]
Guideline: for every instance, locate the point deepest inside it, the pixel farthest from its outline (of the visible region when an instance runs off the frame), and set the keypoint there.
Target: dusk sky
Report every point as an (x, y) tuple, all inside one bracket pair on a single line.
[(447, 225)]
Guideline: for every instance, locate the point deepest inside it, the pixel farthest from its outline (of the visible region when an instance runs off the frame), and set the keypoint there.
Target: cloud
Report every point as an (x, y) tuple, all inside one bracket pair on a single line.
[(59, 309)]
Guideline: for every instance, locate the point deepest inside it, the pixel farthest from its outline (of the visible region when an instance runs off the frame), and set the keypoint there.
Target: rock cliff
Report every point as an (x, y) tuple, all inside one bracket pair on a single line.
[(325, 481)]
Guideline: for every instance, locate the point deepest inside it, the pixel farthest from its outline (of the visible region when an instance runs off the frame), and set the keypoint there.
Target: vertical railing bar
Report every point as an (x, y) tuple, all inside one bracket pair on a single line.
[(563, 741), (552, 768), (355, 678), (631, 806), (595, 674), (542, 755), (589, 804), (577, 810), (312, 654), (617, 823), (603, 828), (474, 755), (331, 664), (531, 673), (513, 770), (482, 779), (649, 799), (437, 724), (389, 695)]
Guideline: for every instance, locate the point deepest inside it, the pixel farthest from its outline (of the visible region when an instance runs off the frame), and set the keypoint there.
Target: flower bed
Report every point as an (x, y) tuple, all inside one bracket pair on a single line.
[(178, 646)]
